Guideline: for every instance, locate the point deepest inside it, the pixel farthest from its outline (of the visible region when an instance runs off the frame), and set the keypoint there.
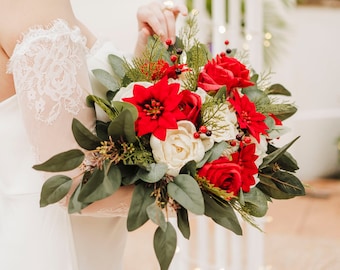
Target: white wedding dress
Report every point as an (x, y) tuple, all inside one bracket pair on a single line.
[(50, 67)]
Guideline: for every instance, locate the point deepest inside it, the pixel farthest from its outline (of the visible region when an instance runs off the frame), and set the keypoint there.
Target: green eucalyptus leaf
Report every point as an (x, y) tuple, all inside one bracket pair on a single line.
[(118, 65), (269, 121), (254, 78), (186, 191), (101, 184), (286, 162), (214, 153), (101, 130), (123, 126), (154, 173), (106, 79), (54, 189), (64, 161), (257, 96), (85, 138), (156, 215), (268, 187), (221, 93), (189, 168), (141, 199), (277, 89), (274, 156), (256, 202), (74, 206), (286, 111), (165, 243), (103, 104), (288, 183), (183, 222), (222, 214), (120, 106)]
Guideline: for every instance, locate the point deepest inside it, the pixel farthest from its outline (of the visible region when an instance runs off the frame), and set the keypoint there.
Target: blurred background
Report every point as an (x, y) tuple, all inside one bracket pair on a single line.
[(299, 42)]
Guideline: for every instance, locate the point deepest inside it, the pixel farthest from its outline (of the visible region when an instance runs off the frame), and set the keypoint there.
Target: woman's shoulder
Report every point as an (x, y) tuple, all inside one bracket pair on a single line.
[(42, 14)]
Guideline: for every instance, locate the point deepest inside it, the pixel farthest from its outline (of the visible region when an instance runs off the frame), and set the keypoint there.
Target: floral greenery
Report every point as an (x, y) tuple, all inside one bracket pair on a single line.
[(193, 133)]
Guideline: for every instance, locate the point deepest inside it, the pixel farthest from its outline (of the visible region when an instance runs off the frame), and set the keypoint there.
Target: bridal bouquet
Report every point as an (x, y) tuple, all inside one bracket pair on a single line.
[(193, 133)]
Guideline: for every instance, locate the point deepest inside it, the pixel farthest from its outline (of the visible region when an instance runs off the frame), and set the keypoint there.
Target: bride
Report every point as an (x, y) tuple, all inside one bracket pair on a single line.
[(45, 58)]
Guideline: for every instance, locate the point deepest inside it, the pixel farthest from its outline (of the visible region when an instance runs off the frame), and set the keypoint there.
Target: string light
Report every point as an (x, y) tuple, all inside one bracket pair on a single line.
[(221, 29)]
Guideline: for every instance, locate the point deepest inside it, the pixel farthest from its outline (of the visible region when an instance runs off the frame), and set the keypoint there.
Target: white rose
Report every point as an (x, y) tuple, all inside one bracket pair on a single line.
[(179, 147), (127, 92)]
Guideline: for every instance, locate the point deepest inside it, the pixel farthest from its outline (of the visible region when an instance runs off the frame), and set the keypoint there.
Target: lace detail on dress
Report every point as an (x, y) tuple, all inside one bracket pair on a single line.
[(51, 77), (46, 63)]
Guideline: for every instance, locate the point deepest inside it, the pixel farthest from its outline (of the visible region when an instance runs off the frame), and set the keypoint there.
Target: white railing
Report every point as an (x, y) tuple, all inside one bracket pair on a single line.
[(212, 247)]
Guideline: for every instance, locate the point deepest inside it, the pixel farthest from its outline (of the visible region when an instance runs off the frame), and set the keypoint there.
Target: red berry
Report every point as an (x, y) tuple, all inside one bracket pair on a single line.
[(196, 135), (226, 42), (223, 54), (247, 139), (233, 143), (168, 42), (173, 58), (203, 129)]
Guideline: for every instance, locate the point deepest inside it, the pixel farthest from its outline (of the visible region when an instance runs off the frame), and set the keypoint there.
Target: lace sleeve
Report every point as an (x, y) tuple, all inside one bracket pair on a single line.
[(52, 81)]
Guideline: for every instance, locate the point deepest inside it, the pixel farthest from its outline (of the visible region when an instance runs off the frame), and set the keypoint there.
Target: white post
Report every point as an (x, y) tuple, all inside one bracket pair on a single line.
[(218, 10), (237, 251), (234, 23), (255, 246), (220, 247), (202, 242), (254, 32)]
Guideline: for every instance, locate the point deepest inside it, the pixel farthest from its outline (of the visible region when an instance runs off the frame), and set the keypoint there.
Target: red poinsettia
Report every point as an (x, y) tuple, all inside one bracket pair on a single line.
[(246, 159), (224, 71), (158, 108), (247, 116), (232, 174)]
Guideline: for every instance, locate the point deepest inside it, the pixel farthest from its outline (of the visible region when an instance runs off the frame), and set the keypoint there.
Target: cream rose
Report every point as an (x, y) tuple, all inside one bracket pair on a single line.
[(126, 92), (179, 147)]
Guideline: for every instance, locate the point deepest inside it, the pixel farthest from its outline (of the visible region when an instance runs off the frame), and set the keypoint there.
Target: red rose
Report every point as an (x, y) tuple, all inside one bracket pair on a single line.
[(232, 174), (223, 174), (224, 70), (191, 105)]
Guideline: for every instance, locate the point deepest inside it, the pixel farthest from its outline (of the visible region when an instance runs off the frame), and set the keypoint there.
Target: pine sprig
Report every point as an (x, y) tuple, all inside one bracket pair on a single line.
[(211, 188), (210, 113), (242, 210), (189, 31), (142, 68)]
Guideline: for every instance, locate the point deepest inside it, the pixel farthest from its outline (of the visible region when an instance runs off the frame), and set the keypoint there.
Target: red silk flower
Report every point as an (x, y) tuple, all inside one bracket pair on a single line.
[(224, 71), (158, 108), (191, 105), (157, 70), (232, 175), (247, 116)]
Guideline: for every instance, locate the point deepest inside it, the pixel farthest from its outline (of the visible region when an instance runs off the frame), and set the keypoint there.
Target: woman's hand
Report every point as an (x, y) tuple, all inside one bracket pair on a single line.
[(158, 18)]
